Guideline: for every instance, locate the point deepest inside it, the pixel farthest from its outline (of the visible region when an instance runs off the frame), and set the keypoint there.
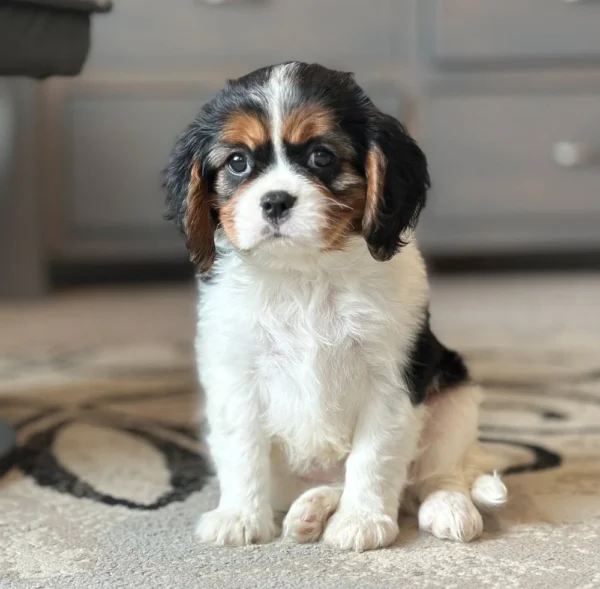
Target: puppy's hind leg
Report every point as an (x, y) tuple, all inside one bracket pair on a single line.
[(449, 483)]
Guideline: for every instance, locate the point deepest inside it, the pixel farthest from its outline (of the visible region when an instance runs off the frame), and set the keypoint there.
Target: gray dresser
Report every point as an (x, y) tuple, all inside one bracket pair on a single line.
[(503, 94)]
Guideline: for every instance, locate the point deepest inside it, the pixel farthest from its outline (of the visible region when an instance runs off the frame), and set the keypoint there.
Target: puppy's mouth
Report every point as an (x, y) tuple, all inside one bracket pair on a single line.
[(273, 232), (276, 237)]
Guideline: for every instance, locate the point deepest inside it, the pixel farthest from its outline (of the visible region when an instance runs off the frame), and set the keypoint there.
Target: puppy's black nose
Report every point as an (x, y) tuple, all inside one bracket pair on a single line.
[(276, 205)]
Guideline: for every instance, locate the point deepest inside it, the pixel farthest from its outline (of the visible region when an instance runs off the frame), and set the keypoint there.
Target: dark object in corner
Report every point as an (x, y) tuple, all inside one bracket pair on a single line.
[(7, 447), (41, 38)]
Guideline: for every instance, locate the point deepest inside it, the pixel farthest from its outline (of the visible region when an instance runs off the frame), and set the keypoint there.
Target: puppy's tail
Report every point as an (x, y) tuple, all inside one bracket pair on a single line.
[(489, 492)]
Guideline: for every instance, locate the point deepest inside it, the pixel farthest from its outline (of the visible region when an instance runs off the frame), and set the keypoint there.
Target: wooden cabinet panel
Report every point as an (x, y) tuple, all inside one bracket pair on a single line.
[(508, 155), (514, 29), (105, 146), (516, 173), (260, 32)]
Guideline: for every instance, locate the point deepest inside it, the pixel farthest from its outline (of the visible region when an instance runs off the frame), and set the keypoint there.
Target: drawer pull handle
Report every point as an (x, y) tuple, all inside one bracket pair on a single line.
[(219, 2), (571, 154)]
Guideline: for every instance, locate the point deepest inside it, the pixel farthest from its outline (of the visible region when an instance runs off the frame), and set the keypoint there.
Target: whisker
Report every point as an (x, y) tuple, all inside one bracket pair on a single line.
[(342, 205)]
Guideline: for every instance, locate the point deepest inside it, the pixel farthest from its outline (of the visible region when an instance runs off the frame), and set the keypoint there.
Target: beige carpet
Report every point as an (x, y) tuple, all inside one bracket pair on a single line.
[(110, 477)]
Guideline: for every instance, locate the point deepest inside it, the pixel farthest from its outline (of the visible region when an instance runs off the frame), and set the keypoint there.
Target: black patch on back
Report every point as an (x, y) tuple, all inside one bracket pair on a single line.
[(453, 369), (432, 366)]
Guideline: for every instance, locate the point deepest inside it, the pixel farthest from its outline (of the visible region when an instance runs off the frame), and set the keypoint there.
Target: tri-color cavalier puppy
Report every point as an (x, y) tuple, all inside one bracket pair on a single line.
[(328, 397)]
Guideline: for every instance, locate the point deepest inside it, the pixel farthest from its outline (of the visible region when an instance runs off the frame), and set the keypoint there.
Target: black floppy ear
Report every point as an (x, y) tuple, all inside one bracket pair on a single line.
[(397, 183), (189, 202)]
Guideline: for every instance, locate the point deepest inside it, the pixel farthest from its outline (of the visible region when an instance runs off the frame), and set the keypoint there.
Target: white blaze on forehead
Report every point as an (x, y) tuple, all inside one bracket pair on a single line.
[(279, 93)]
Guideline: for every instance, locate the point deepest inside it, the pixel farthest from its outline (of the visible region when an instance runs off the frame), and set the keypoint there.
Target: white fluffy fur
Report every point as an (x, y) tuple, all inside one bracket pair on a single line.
[(299, 363), (300, 354)]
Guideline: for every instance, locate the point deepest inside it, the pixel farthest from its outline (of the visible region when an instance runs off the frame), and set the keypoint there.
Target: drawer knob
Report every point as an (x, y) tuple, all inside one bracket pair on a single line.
[(219, 2), (570, 154)]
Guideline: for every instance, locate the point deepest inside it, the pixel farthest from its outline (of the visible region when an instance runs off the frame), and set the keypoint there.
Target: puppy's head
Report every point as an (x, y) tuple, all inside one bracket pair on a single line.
[(294, 157)]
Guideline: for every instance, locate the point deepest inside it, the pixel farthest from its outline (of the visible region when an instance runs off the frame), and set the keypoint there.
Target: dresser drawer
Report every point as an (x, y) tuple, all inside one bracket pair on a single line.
[(471, 30), (515, 157), (188, 33), (104, 145)]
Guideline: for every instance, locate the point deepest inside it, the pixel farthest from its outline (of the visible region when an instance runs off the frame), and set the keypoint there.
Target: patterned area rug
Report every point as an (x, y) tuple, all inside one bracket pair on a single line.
[(110, 479)]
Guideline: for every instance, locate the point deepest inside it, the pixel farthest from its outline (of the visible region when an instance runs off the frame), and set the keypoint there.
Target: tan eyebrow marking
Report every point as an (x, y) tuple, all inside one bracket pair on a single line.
[(245, 127), (307, 122)]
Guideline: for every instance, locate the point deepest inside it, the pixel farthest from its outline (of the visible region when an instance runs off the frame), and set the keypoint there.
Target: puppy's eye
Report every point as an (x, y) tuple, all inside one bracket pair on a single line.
[(320, 158), (238, 164)]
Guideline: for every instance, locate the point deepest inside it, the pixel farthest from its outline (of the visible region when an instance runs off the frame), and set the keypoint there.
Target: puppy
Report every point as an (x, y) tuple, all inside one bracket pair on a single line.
[(327, 396)]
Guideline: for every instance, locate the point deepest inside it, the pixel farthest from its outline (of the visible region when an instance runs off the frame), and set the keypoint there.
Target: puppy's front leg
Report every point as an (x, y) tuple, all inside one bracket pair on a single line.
[(240, 451), (384, 445)]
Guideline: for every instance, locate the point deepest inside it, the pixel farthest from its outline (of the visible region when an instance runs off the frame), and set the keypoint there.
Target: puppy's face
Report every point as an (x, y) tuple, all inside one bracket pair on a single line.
[(294, 157)]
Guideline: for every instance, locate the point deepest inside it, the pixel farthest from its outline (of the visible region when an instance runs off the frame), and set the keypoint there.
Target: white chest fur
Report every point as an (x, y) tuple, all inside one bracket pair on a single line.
[(306, 347), (312, 368)]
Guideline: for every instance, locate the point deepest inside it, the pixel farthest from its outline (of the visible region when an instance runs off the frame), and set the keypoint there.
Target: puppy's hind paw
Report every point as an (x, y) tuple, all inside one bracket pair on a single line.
[(450, 516), (306, 518)]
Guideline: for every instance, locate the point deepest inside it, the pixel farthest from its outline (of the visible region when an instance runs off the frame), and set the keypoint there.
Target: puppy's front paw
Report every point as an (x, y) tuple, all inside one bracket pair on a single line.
[(236, 528), (450, 516), (360, 530)]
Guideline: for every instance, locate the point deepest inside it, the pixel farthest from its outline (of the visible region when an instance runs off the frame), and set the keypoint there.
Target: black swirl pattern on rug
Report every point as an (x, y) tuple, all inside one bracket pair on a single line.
[(189, 469), (543, 459), (35, 457)]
